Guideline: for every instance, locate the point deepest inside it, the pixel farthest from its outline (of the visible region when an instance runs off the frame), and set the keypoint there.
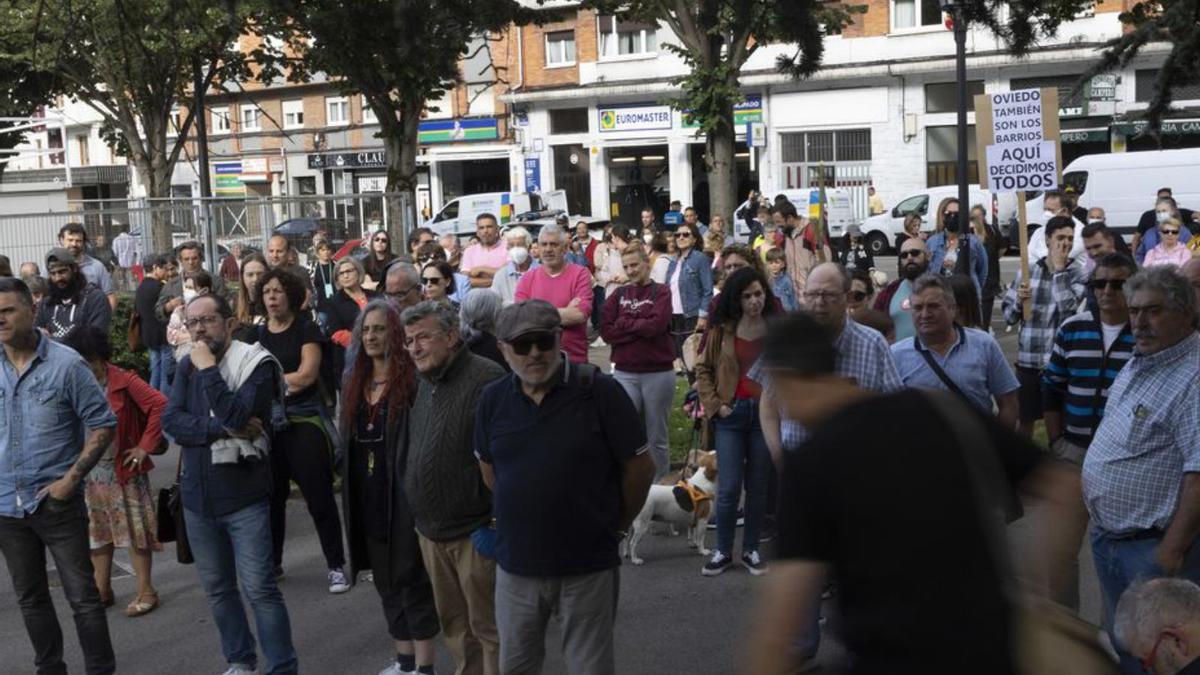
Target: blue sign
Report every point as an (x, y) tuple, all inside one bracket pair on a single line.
[(533, 174)]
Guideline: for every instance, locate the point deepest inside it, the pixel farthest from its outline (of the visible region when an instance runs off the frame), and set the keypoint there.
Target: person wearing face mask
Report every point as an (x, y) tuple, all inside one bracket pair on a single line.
[(946, 256), (195, 284), (520, 261), (1053, 203)]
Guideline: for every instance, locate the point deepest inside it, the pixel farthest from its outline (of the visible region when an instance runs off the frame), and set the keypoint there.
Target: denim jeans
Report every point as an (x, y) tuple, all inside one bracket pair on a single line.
[(1120, 562), (162, 368), (652, 394), (61, 527), (742, 456), (237, 547)]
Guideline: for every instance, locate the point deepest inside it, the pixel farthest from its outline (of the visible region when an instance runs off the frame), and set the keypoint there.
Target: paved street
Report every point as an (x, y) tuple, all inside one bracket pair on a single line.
[(671, 618)]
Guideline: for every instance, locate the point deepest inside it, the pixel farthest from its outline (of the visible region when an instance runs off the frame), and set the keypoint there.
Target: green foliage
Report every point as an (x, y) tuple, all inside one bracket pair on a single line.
[(118, 328), (24, 89)]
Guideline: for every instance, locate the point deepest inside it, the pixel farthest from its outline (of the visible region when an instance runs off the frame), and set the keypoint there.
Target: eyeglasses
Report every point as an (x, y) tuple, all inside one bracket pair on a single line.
[(858, 296), (683, 235), (382, 239), (348, 270), (1100, 284), (401, 294), (191, 324), (432, 281), (524, 343), (1150, 660), (1170, 232), (911, 253)]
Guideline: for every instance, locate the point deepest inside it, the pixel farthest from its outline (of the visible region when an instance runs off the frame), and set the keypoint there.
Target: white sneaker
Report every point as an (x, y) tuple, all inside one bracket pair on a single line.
[(337, 581), (239, 669), (599, 342), (395, 669)]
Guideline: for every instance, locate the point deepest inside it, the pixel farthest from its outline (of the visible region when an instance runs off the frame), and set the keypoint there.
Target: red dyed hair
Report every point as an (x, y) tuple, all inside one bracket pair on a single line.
[(401, 372)]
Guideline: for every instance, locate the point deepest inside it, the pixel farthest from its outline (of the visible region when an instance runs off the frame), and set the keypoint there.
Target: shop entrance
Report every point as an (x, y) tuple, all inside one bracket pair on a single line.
[(745, 178), (638, 177), (470, 177)]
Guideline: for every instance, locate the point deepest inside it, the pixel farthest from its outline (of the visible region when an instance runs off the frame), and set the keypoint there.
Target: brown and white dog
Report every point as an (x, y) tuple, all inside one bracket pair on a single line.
[(662, 505)]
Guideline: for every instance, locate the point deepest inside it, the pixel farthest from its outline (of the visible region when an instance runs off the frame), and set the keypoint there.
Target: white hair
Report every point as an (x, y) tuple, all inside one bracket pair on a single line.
[(1148, 607), (517, 232), (552, 231)]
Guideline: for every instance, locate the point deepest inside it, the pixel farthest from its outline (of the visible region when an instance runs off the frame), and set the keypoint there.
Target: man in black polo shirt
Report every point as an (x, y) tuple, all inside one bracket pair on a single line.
[(561, 449)]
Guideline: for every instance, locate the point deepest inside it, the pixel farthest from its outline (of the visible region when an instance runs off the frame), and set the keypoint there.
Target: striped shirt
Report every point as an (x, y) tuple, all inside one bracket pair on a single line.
[(1056, 296), (1133, 471), (1079, 373)]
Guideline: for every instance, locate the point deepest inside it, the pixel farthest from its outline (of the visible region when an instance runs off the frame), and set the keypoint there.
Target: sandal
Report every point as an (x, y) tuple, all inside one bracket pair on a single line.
[(141, 606)]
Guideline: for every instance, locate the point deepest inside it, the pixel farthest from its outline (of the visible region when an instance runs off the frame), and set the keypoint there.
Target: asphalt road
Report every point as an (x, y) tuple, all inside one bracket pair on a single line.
[(671, 619)]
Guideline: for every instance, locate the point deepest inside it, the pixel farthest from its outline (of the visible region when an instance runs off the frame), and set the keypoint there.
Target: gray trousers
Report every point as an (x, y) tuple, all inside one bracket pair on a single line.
[(652, 395), (586, 607)]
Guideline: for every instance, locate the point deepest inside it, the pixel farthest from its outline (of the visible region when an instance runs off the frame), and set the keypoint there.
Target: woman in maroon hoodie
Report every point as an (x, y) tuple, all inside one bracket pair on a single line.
[(636, 322)]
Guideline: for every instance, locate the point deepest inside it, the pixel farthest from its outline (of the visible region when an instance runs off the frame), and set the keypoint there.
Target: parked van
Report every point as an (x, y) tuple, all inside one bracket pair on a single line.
[(881, 232), (839, 212), (458, 215), (1124, 184)]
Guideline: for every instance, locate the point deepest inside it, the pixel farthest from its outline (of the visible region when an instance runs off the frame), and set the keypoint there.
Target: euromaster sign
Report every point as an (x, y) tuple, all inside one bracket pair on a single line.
[(635, 118), (1020, 140)]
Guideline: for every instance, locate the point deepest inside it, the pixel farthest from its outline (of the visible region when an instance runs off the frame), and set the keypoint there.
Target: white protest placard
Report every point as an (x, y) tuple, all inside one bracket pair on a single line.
[(1021, 156)]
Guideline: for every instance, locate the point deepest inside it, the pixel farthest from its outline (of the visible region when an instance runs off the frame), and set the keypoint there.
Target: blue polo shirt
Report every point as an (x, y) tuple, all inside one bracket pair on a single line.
[(44, 413), (975, 363), (558, 465)]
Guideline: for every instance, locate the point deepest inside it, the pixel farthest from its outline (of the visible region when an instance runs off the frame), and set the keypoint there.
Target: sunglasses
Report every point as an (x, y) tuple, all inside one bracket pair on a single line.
[(383, 239), (1174, 232), (524, 343), (431, 281), (913, 253), (683, 235), (858, 296), (1100, 284)]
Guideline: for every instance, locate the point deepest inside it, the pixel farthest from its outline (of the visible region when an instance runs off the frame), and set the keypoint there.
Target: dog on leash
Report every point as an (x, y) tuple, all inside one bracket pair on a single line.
[(665, 503)]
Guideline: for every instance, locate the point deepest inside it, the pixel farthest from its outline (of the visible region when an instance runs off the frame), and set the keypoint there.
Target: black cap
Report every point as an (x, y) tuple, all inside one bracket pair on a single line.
[(529, 316)]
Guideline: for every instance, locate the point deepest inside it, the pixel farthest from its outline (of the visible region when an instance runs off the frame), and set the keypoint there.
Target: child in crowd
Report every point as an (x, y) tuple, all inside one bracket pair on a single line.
[(781, 283), (194, 284)]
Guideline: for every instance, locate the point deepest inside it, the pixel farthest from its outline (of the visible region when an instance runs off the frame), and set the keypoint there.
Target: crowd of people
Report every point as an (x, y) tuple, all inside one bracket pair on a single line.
[(440, 381)]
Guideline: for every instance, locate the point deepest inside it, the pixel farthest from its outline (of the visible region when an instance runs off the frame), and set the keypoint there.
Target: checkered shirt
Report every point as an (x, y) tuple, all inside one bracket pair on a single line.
[(862, 354), (1149, 437), (1056, 296)]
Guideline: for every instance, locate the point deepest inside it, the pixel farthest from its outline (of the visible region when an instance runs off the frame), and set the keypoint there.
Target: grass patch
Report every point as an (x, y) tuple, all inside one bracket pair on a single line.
[(680, 425)]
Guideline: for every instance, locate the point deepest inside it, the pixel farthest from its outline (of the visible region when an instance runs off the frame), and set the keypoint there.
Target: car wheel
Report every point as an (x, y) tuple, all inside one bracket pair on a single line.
[(877, 243)]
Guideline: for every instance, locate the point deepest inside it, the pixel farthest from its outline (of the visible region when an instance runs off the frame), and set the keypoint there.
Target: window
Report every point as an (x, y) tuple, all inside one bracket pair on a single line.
[(918, 204), (560, 49), (251, 118), (942, 97), (1144, 88), (569, 121), (619, 37), (846, 145), (293, 114), (1064, 83), (81, 150), (368, 112), (337, 110), (941, 156), (480, 99), (909, 14), (220, 120), (174, 122)]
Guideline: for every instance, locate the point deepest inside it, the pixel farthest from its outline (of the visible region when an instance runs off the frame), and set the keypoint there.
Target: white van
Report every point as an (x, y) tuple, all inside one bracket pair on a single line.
[(839, 212), (458, 215), (1124, 184), (881, 231)]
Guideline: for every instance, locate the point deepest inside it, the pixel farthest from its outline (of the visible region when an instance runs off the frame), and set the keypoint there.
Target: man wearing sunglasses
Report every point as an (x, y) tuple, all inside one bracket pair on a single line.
[(1159, 621), (895, 297), (569, 468), (1089, 350)]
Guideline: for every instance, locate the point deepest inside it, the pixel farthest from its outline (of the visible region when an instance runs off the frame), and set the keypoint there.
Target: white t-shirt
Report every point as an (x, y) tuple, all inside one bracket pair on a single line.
[(676, 299), (1111, 333)]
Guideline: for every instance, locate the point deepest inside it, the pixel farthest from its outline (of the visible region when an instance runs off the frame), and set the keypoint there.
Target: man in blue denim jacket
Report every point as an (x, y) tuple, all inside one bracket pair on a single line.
[(51, 407)]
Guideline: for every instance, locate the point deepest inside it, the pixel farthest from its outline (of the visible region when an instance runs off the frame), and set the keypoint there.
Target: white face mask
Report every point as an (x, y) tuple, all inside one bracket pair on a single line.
[(449, 252), (1162, 216), (518, 255), (1047, 215), (1096, 221), (189, 295)]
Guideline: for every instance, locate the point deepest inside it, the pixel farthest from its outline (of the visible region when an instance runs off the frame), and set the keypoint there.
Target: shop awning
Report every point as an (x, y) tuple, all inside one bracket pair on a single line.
[(1188, 127), (1098, 135)]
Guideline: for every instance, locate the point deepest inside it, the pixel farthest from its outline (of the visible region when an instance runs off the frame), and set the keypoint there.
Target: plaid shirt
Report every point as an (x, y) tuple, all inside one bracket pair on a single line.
[(1148, 439), (862, 354), (1056, 296)]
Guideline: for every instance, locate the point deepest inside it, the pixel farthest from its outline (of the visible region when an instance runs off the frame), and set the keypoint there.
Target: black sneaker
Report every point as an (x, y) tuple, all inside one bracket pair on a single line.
[(754, 563), (719, 563)]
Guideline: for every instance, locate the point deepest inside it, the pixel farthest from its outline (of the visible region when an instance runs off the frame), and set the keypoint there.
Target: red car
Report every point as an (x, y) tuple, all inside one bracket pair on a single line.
[(354, 247)]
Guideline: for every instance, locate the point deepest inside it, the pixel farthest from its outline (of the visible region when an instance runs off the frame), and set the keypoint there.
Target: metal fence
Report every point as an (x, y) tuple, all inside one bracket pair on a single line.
[(249, 222)]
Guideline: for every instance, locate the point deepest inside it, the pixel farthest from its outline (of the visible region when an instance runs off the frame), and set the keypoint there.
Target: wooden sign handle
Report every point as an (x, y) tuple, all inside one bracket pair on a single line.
[(1023, 240)]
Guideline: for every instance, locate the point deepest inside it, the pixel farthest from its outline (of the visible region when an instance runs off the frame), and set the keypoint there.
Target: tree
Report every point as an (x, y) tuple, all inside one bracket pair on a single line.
[(24, 88), (131, 61), (717, 37), (398, 54)]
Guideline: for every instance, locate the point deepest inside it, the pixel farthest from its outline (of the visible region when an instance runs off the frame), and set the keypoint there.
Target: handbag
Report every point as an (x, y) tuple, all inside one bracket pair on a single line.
[(171, 526), (1048, 639)]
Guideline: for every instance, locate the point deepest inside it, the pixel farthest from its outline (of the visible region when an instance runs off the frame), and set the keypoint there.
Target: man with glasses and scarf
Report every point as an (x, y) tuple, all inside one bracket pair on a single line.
[(71, 301), (561, 508), (894, 299)]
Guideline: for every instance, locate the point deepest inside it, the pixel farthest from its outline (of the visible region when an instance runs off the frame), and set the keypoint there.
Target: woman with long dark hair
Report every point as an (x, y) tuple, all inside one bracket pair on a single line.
[(731, 399), (376, 395), (248, 314), (301, 449), (379, 254)]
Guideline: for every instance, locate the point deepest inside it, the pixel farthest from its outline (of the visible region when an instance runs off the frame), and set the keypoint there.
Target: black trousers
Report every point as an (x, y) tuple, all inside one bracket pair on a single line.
[(408, 604), (301, 453), (61, 527)]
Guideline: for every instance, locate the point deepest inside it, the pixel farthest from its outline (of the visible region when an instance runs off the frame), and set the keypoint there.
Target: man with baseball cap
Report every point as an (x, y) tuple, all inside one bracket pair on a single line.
[(562, 449), (71, 301)]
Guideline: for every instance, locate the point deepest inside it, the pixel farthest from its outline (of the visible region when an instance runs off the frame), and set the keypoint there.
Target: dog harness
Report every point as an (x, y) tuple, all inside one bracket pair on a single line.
[(689, 496)]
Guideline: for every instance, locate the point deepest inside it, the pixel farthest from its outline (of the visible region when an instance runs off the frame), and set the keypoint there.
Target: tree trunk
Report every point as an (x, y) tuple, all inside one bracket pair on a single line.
[(157, 185), (722, 176), (400, 146)]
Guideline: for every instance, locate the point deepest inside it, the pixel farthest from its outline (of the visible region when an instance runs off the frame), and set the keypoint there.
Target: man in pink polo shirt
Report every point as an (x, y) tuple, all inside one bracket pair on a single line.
[(481, 261), (565, 285)]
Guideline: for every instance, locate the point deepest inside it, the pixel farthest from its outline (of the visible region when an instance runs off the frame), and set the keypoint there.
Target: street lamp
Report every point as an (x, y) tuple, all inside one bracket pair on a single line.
[(956, 10)]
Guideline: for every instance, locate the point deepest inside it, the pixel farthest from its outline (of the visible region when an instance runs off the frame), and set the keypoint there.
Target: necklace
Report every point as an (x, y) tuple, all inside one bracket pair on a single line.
[(373, 412)]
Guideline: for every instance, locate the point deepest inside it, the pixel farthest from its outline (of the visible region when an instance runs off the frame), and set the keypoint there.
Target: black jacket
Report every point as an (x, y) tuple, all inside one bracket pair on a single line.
[(154, 331)]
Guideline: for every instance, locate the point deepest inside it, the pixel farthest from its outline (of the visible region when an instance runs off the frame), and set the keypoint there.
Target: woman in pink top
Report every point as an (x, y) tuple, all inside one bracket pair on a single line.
[(565, 285), (1170, 250)]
